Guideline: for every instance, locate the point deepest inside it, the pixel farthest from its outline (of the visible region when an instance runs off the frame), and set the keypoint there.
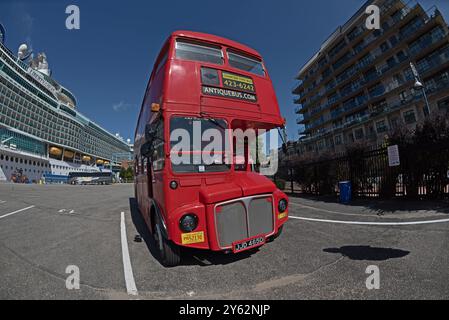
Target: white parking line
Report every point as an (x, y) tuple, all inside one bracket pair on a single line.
[(11, 213), (338, 212), (129, 277), (372, 223)]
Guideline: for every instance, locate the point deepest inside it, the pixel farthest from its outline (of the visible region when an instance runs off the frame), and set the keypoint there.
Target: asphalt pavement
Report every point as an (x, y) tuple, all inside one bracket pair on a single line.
[(323, 253)]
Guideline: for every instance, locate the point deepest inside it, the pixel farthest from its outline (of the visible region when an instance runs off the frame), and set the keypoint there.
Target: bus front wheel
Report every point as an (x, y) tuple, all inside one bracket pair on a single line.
[(169, 253)]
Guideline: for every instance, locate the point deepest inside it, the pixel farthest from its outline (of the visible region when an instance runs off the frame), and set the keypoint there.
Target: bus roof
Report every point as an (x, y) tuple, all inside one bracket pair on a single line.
[(217, 40)]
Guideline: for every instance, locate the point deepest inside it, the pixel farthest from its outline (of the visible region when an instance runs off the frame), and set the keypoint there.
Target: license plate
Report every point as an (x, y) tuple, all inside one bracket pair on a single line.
[(192, 238), (248, 244)]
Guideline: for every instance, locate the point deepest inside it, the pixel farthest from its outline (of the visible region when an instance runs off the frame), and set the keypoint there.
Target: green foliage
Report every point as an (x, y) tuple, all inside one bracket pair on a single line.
[(280, 184), (127, 174)]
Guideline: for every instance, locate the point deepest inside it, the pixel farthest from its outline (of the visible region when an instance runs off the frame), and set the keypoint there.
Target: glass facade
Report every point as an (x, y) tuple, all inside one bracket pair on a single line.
[(368, 80), (22, 142), (29, 107)]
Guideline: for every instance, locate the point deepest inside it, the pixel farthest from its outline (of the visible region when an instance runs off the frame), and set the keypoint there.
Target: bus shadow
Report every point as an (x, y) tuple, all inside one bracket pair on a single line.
[(141, 228), (368, 253), (189, 256)]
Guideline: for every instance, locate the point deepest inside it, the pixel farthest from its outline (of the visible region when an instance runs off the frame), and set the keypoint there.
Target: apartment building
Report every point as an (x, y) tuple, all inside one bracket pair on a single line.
[(359, 85)]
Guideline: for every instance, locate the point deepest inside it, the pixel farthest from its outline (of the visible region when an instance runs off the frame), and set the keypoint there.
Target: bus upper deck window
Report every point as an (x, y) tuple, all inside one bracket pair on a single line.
[(246, 63), (196, 52)]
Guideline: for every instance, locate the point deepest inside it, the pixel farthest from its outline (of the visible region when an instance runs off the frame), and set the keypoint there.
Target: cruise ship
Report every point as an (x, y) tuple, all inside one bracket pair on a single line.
[(42, 134)]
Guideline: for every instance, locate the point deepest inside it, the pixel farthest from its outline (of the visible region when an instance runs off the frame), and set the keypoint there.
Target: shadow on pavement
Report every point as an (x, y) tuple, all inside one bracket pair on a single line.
[(368, 253), (141, 228), (189, 256), (381, 206)]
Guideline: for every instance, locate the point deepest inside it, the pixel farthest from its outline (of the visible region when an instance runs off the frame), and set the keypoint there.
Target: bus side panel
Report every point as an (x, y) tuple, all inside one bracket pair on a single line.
[(154, 95), (181, 76)]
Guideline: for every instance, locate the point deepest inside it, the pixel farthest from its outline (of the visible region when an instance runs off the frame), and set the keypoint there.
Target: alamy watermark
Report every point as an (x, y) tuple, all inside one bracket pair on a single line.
[(373, 280), (73, 280), (73, 21), (373, 19)]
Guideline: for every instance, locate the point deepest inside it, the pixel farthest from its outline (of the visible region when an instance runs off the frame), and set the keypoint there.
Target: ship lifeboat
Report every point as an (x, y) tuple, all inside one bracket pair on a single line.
[(106, 163), (100, 162), (55, 151), (69, 154), (86, 158)]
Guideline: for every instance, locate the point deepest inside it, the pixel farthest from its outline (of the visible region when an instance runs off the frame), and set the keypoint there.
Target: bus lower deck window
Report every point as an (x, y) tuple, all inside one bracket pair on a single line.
[(196, 52)]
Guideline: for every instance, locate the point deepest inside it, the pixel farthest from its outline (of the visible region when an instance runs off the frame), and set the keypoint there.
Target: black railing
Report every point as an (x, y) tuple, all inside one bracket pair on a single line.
[(421, 174)]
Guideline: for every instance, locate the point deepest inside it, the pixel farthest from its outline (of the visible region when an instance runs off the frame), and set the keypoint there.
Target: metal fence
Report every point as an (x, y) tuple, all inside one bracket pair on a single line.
[(423, 173)]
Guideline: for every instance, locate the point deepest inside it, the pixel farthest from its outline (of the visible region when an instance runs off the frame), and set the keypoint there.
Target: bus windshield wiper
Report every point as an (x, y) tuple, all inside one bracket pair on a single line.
[(214, 122)]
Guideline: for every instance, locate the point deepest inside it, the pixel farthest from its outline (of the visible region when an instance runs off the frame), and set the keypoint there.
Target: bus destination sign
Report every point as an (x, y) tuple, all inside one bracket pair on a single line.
[(227, 93)]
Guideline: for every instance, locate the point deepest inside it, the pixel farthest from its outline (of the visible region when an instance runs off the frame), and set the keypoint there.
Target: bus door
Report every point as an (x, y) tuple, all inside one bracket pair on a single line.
[(149, 177), (156, 166)]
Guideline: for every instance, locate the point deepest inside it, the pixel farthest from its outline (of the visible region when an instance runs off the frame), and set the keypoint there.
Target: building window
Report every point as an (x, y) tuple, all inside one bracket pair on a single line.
[(320, 145), (381, 126), (443, 105), (395, 122), (409, 116), (358, 134), (403, 96), (338, 140), (350, 137)]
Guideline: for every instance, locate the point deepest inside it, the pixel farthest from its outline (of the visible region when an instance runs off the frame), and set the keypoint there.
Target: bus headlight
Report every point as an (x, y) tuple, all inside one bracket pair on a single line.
[(188, 223), (282, 206)]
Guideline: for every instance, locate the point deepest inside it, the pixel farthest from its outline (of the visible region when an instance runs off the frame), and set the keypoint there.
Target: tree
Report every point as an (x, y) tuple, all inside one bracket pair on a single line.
[(127, 174)]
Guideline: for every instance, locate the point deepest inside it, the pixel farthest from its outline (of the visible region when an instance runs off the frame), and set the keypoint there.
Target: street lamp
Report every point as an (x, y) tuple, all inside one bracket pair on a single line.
[(419, 85)]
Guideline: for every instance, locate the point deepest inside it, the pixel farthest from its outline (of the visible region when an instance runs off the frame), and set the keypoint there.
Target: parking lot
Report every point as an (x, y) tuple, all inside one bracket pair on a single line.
[(323, 253)]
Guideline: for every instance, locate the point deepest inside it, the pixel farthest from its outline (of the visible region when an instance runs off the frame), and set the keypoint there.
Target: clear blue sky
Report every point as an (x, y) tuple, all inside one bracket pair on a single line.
[(107, 63)]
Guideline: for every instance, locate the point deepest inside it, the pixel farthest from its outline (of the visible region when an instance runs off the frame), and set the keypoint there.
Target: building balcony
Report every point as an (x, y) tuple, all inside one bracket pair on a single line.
[(432, 88), (377, 92), (426, 41), (298, 109), (297, 100), (399, 17), (426, 65), (420, 48), (300, 120)]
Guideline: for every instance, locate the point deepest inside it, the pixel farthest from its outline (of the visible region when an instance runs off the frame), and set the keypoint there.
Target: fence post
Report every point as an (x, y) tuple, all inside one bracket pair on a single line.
[(291, 180)]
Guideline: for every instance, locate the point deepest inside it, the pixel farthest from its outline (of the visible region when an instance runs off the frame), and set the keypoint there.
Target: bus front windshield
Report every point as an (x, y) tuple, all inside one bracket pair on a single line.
[(197, 145)]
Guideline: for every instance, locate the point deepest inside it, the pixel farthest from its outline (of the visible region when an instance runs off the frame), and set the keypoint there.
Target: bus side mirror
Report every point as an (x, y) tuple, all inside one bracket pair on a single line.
[(146, 149), (284, 148)]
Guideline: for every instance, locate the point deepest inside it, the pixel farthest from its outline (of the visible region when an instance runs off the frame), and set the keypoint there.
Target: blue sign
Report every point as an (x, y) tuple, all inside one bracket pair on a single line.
[(2, 34)]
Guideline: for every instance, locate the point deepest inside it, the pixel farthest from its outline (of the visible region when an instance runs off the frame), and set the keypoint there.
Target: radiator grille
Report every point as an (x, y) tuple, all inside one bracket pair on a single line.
[(243, 218)]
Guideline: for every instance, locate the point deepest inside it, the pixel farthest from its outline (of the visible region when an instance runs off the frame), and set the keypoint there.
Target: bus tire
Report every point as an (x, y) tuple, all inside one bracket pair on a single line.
[(169, 253)]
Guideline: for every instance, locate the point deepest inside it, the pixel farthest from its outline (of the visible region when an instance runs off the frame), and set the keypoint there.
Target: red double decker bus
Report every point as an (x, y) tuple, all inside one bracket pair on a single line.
[(204, 85)]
